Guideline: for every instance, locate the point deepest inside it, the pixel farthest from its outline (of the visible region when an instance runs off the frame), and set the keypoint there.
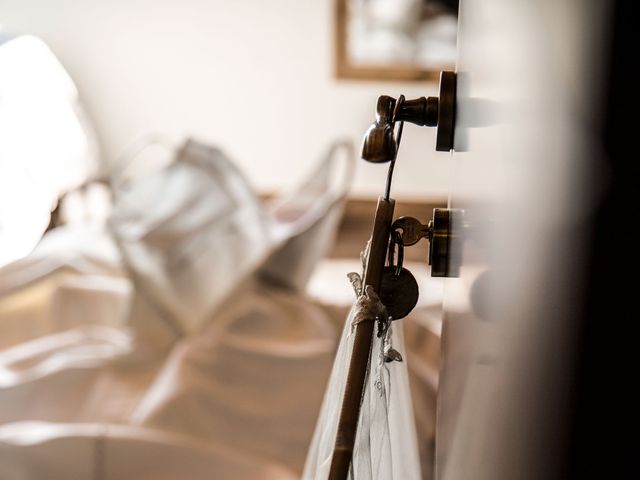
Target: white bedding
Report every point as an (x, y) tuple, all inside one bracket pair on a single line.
[(93, 344)]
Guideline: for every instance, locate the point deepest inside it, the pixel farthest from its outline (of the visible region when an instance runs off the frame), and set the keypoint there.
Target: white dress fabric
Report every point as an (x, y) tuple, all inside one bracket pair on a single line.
[(385, 444)]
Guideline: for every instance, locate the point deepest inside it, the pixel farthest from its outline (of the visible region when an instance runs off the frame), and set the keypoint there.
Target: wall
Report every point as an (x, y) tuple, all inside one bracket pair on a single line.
[(254, 77)]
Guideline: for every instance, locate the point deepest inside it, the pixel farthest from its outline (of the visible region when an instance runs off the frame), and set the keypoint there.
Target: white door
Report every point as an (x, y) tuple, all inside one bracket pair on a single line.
[(527, 71)]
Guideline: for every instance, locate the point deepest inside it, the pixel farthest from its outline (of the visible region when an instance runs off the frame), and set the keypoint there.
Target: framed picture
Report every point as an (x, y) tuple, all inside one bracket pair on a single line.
[(395, 39)]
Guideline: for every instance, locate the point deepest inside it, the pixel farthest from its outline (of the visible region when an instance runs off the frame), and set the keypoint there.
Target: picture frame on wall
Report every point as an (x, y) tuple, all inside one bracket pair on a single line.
[(409, 40)]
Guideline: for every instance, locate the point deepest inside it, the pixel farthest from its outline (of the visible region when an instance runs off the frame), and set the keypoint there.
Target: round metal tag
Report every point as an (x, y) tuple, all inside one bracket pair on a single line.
[(399, 294)]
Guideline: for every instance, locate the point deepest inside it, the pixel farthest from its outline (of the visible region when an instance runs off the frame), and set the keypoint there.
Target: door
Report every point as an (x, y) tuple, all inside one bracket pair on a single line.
[(530, 175)]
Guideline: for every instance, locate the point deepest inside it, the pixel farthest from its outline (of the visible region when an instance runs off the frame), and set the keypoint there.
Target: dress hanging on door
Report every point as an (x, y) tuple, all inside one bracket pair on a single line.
[(385, 445)]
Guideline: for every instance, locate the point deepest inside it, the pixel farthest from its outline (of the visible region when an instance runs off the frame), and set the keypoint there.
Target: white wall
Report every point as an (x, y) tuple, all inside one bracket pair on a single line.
[(253, 76)]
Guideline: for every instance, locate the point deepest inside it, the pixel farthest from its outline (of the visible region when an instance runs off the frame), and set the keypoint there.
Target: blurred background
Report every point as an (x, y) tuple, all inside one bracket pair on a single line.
[(256, 79), (181, 198)]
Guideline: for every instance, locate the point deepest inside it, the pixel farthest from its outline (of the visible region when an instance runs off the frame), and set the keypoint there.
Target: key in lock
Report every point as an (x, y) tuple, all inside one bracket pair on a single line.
[(444, 247)]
